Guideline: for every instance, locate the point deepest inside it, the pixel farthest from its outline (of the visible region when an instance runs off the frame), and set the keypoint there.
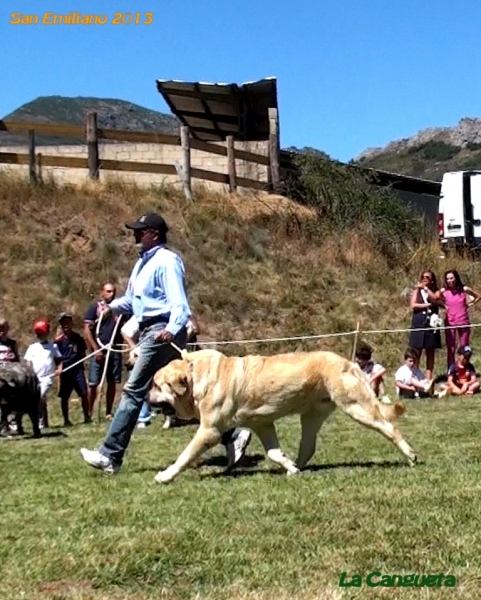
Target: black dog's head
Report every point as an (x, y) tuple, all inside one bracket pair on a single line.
[(17, 380)]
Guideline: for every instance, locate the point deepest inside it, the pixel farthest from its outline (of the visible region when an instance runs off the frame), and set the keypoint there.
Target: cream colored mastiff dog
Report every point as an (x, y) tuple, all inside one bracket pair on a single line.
[(254, 391)]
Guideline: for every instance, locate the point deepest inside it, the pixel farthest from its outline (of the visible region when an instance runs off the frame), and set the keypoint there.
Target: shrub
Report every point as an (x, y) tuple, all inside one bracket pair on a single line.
[(435, 150), (344, 200)]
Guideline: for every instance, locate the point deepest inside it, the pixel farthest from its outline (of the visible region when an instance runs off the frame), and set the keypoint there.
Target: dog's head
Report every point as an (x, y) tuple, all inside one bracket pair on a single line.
[(173, 385), (14, 379)]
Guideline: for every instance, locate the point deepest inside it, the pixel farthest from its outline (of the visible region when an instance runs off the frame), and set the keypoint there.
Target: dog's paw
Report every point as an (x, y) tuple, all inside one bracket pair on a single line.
[(293, 471), (413, 460), (165, 476)]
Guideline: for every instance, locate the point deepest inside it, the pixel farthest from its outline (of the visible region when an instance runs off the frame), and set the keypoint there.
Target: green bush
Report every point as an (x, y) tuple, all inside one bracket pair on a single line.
[(345, 200), (472, 162), (435, 150)]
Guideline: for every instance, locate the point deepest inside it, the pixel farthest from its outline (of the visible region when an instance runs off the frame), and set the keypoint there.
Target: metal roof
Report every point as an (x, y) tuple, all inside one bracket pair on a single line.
[(212, 111)]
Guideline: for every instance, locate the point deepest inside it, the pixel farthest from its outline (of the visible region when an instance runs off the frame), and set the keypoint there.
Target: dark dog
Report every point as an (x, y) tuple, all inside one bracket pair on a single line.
[(19, 394)]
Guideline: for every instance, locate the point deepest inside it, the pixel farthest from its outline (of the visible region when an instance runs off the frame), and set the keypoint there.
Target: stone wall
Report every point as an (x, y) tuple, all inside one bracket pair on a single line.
[(152, 153)]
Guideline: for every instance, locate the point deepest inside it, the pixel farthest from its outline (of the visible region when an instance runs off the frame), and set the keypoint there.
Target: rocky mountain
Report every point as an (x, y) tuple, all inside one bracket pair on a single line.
[(112, 114), (430, 152)]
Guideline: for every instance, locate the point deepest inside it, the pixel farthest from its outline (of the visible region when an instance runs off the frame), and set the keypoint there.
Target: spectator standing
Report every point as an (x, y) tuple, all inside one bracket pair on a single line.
[(424, 303), (46, 361), (455, 296), (98, 363), (72, 348)]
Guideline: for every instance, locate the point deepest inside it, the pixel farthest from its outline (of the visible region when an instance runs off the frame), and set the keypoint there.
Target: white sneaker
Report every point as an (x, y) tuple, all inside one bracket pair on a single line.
[(142, 425), (385, 399), (236, 448), (99, 461)]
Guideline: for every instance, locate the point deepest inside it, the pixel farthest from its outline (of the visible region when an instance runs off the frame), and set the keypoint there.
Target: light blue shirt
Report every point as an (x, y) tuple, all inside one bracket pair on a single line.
[(156, 288)]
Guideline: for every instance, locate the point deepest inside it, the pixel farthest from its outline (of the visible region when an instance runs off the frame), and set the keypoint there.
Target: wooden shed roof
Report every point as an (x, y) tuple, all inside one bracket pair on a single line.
[(212, 111)]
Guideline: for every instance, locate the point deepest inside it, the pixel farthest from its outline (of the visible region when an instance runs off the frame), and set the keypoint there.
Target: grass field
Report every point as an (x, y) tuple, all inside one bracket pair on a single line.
[(257, 266), (71, 533)]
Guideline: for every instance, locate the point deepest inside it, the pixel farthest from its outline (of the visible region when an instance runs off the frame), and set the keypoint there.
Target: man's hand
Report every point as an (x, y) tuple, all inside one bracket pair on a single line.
[(164, 336), (100, 357)]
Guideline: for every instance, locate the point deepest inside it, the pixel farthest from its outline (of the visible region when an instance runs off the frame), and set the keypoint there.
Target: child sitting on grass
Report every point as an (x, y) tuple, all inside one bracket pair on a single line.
[(410, 380), (462, 380), (374, 372)]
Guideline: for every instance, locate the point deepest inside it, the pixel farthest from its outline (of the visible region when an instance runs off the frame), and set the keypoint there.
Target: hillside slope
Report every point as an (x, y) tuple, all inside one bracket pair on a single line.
[(111, 114), (257, 266), (430, 152)]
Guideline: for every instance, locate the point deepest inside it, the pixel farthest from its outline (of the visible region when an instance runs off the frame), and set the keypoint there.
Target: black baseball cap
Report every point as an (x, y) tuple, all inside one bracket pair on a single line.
[(149, 221), (464, 350)]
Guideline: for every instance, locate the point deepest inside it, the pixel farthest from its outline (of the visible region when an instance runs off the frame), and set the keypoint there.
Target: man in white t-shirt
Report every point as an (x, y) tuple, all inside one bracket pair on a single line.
[(410, 380), (45, 359)]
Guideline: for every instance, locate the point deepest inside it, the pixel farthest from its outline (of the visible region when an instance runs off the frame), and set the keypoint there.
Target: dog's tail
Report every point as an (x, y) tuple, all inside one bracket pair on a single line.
[(391, 412)]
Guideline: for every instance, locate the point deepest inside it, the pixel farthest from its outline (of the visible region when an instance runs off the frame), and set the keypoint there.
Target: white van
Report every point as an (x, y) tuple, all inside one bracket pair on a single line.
[(459, 214)]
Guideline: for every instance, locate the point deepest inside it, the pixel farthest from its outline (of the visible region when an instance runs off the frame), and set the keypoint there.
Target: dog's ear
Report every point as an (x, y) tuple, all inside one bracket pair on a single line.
[(181, 385)]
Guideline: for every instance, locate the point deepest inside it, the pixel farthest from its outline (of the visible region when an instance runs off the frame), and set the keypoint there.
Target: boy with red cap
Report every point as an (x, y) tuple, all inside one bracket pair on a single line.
[(45, 359)]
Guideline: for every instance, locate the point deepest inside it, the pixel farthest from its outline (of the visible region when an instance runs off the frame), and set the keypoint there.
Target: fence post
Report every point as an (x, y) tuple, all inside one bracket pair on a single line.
[(356, 339), (92, 145), (274, 149), (184, 172), (39, 166), (32, 166), (231, 164)]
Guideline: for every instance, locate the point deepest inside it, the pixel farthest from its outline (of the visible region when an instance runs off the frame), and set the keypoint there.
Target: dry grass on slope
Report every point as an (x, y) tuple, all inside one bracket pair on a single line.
[(257, 265)]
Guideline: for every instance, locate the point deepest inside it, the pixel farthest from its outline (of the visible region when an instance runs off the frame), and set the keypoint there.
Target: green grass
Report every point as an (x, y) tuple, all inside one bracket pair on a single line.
[(69, 532), (257, 267)]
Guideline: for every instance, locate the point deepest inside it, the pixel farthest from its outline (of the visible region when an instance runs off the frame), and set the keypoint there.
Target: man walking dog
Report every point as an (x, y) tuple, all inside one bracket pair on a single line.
[(156, 297)]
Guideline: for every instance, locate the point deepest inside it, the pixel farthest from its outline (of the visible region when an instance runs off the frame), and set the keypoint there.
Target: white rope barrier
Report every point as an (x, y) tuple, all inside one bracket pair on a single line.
[(106, 360), (267, 340), (328, 335), (109, 347)]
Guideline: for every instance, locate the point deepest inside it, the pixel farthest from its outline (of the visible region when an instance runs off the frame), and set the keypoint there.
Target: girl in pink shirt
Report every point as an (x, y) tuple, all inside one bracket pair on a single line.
[(455, 296)]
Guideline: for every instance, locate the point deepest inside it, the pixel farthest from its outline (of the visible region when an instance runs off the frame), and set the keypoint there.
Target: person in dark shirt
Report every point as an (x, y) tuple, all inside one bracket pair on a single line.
[(97, 363), (72, 348)]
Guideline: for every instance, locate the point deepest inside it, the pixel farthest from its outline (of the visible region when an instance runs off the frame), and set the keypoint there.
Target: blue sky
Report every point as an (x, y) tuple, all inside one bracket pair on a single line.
[(351, 74)]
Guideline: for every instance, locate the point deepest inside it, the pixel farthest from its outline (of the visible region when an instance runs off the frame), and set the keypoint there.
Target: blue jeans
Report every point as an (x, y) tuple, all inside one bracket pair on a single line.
[(152, 357), (145, 413)]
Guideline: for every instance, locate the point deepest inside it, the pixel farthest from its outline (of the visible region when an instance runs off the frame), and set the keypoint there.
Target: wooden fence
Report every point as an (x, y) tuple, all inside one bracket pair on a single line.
[(186, 172)]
